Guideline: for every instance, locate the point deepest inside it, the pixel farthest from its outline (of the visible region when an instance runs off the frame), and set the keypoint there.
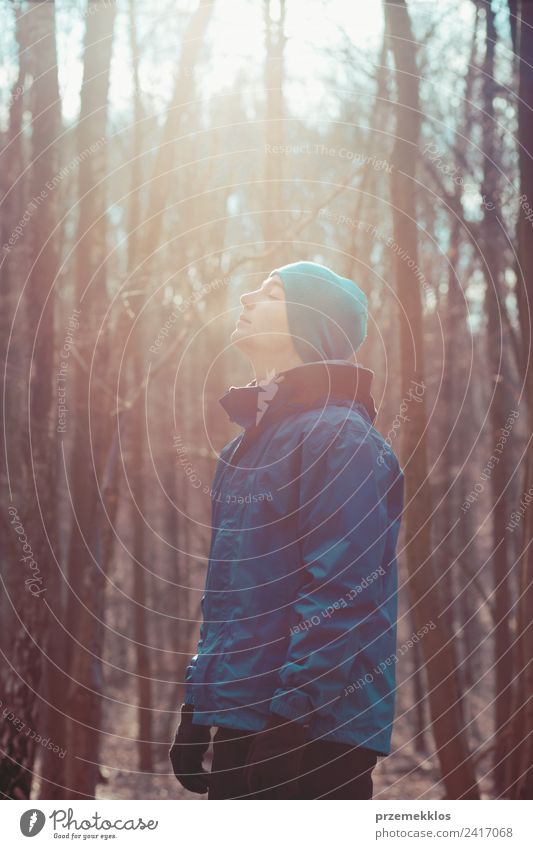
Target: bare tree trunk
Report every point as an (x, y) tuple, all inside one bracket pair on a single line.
[(35, 509), (142, 653), (419, 695), (138, 444), (493, 246), (454, 383), (519, 775), (513, 13), (444, 700), (275, 48), (160, 185), (91, 417)]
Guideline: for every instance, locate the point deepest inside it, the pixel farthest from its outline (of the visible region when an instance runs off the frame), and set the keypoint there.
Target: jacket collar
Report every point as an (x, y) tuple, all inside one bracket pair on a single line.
[(302, 387)]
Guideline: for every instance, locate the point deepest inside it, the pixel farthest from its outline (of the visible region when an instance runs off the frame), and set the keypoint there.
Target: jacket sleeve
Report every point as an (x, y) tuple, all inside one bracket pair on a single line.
[(189, 697), (342, 528)]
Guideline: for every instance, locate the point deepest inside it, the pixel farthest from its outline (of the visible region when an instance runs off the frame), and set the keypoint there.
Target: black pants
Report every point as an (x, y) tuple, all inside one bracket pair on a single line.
[(329, 770)]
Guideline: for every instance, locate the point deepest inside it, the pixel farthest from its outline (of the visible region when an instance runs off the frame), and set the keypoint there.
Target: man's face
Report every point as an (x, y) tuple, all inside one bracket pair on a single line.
[(263, 323)]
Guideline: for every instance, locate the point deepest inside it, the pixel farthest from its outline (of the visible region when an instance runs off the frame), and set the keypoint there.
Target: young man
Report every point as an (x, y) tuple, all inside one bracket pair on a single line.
[(296, 659)]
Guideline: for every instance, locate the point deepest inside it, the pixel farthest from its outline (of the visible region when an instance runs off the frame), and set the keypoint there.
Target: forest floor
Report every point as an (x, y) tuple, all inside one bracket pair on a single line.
[(395, 777), (403, 775)]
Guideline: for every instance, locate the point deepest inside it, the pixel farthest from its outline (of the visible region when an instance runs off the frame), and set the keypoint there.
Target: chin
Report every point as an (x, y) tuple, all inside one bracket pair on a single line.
[(238, 338)]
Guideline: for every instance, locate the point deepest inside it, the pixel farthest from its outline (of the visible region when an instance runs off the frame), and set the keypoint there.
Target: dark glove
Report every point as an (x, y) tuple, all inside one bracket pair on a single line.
[(186, 755), (275, 757)]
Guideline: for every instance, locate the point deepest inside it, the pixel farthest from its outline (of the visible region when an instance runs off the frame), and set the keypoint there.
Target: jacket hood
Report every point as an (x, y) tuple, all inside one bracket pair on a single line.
[(301, 387)]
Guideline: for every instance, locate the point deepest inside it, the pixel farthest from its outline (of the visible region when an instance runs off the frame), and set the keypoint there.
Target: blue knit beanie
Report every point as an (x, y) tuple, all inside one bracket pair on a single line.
[(327, 314)]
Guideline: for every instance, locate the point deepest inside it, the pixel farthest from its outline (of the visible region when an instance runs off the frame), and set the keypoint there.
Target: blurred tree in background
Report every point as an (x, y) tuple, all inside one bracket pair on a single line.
[(158, 160)]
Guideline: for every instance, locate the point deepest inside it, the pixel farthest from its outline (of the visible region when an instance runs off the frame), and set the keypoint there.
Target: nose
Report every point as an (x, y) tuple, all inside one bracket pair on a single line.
[(247, 299)]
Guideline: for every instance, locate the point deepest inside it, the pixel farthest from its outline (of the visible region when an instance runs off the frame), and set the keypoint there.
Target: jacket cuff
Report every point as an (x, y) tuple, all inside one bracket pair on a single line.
[(292, 705)]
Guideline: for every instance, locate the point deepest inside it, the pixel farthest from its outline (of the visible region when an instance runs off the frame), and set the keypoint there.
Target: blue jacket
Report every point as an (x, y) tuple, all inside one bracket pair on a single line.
[(300, 602)]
